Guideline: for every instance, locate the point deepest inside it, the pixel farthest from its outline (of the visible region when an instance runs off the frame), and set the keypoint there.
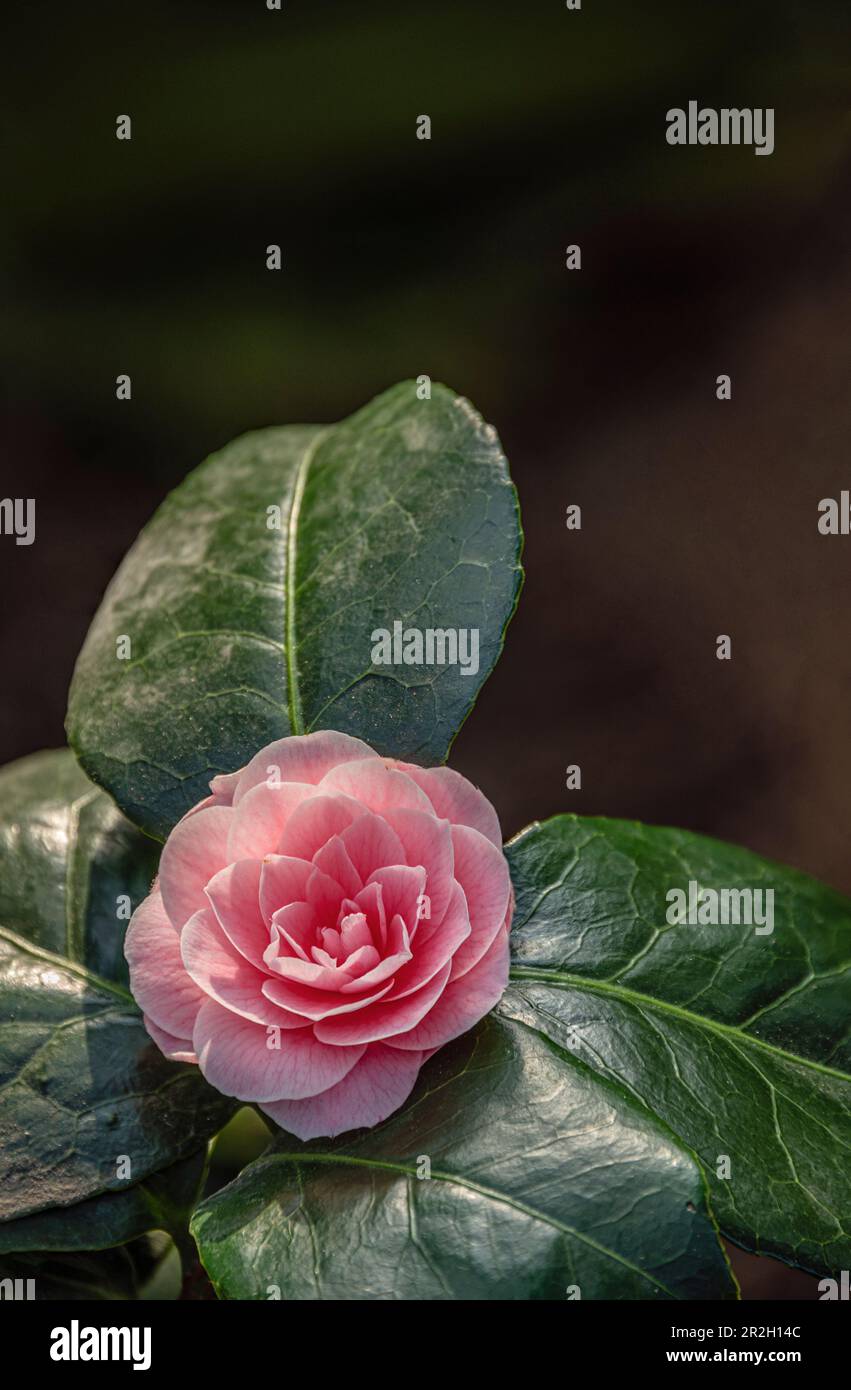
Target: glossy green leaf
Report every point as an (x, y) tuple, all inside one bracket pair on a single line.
[(242, 633), (512, 1173), (738, 1041), (81, 1083), (162, 1202)]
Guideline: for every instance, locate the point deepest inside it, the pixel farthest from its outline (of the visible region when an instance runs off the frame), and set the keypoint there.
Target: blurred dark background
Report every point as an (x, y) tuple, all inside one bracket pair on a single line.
[(446, 257)]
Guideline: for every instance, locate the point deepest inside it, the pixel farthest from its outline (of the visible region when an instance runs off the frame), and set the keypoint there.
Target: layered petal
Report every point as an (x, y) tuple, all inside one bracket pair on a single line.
[(376, 1086), (383, 1020), (222, 973), (283, 880), (482, 871), (462, 1003), (312, 1002), (301, 758), (195, 850), (456, 800), (261, 817), (241, 1059), (376, 786), (234, 895), (312, 824), (176, 1049), (159, 981), (372, 844), (427, 841), (437, 949)]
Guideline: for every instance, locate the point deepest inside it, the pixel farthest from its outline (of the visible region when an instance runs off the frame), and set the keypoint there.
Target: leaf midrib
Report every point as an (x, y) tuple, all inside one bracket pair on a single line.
[(542, 975), (296, 715)]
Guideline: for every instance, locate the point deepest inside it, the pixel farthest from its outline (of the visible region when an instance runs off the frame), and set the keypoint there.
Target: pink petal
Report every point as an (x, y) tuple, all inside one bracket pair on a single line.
[(427, 841), (332, 942), (195, 850), (376, 786), (354, 934), (456, 799), (176, 1049), (383, 970), (382, 1021), (315, 1004), (307, 972), (233, 894), (373, 1089), (261, 818), (302, 758), (325, 897), (316, 821), (371, 844), (234, 1056), (222, 973), (371, 903), (333, 860), (431, 953), (293, 926), (401, 890), (158, 978), (463, 1002), (482, 871), (224, 785), (361, 961), (282, 881), (217, 799)]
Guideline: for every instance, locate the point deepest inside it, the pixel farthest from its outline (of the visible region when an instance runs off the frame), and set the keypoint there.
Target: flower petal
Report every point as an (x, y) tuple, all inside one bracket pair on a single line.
[(302, 758), (314, 1004), (221, 972), (333, 860), (433, 951), (161, 987), (371, 844), (261, 818), (314, 822), (283, 880), (233, 894), (175, 1049), (463, 1002), (427, 841), (456, 799), (224, 784), (402, 889), (375, 785), (293, 933), (235, 1057), (379, 1083), (195, 850), (482, 871), (384, 1020)]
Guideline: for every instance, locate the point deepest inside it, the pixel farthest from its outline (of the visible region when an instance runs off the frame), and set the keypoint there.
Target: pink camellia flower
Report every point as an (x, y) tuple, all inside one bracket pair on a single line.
[(321, 924)]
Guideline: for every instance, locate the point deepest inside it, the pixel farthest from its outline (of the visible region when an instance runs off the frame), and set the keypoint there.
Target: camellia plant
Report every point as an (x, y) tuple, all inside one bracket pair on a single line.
[(562, 1069)]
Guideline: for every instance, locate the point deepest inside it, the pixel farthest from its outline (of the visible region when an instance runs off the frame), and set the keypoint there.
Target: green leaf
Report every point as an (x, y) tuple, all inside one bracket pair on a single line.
[(241, 634), (739, 1042), (101, 1275), (81, 1083), (162, 1202), (542, 1177)]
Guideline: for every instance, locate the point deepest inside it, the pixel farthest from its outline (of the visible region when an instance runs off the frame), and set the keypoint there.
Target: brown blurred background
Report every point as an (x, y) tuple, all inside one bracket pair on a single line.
[(447, 257)]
